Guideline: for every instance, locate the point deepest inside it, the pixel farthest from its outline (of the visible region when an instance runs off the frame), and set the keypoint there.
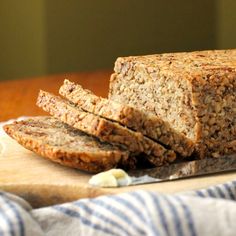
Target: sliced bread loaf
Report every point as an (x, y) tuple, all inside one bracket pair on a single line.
[(136, 119), (103, 129), (63, 144), (195, 92)]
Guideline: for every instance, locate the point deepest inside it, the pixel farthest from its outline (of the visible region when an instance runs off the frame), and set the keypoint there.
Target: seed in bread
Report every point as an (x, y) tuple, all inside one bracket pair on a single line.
[(103, 129), (144, 122), (63, 144), (195, 92)]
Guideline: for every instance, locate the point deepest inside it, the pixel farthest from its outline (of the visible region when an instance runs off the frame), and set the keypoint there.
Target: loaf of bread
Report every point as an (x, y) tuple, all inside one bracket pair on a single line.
[(146, 123), (195, 92), (103, 129), (63, 144)]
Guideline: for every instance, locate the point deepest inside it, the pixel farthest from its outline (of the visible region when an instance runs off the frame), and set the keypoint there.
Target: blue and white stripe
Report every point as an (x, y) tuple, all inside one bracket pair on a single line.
[(10, 217), (210, 211), (222, 191)]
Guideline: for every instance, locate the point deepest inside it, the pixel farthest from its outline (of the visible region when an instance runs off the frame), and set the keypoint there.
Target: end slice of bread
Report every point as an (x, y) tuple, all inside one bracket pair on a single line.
[(63, 144)]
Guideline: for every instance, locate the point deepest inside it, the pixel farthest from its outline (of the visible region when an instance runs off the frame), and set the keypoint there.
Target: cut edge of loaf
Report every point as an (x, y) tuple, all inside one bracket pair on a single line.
[(138, 120), (157, 99)]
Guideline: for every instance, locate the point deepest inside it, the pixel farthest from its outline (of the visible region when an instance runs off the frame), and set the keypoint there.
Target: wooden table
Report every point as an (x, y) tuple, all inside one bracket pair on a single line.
[(18, 97)]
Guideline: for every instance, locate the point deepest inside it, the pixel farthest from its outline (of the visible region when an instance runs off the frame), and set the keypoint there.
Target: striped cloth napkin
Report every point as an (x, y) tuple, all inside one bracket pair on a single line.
[(207, 212)]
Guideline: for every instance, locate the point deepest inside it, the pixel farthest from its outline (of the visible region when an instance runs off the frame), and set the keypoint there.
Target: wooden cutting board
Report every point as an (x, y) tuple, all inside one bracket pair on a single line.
[(42, 182)]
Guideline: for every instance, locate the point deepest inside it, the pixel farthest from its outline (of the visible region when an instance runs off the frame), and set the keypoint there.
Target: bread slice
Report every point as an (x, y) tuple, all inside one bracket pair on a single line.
[(63, 144), (194, 91), (103, 129), (146, 123)]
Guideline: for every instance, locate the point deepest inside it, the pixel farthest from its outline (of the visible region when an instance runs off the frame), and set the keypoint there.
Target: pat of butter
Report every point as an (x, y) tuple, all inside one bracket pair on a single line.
[(111, 178)]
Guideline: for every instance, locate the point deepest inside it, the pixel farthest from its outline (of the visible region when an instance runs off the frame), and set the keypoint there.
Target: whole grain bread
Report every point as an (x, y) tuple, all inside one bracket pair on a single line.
[(103, 129), (136, 119), (63, 144), (195, 92)]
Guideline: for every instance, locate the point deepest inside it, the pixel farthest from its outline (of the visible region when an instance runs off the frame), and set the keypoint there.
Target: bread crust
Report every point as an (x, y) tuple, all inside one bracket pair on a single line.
[(60, 143), (138, 120), (103, 129)]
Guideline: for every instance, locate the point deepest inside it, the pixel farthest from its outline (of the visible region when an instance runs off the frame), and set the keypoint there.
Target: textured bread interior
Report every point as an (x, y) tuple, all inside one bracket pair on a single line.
[(171, 103), (145, 122), (103, 129), (61, 143), (195, 92)]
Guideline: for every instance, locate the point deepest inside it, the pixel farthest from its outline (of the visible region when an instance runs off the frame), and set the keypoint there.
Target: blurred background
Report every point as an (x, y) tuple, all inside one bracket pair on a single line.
[(43, 37)]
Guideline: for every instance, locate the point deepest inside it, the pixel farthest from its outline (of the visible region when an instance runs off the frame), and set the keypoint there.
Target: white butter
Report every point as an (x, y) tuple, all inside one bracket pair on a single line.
[(111, 178)]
